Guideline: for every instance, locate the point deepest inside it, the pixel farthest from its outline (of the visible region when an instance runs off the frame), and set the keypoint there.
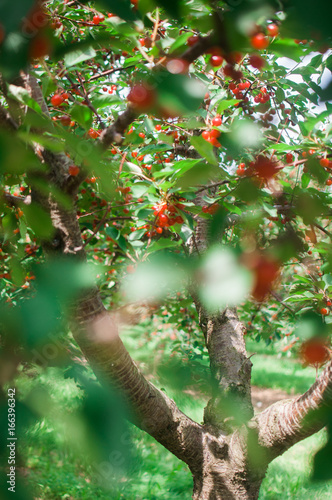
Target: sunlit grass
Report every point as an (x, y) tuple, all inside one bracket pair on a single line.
[(57, 472)]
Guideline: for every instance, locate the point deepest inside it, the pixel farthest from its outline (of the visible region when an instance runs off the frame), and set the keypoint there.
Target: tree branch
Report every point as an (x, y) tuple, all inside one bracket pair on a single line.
[(287, 422), (230, 404), (115, 132), (96, 331)]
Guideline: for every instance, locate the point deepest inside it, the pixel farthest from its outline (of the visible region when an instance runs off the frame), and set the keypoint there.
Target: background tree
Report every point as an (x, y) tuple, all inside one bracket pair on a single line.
[(155, 152)]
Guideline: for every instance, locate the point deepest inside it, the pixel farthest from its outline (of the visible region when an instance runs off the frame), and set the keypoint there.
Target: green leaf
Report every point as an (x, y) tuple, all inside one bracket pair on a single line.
[(105, 101), (204, 148), (232, 208), (305, 180), (225, 104), (139, 188), (287, 48), (162, 244), (155, 148), (281, 148), (82, 115), (78, 56), (122, 8), (113, 233), (39, 221), (183, 166), (22, 95)]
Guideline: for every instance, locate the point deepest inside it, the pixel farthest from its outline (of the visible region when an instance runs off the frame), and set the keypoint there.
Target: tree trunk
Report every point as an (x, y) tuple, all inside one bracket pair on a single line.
[(228, 456)]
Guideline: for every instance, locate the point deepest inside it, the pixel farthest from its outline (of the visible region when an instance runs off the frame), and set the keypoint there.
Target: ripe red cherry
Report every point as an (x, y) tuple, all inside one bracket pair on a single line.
[(216, 121), (289, 158), (159, 230), (93, 133), (206, 135), (315, 352), (259, 41), (65, 120), (96, 20), (241, 169), (265, 272), (163, 220), (256, 61), (272, 30), (73, 170), (40, 46), (264, 167), (329, 182), (324, 311), (2, 34), (216, 60), (328, 303), (214, 133), (192, 40), (57, 99), (324, 162), (141, 97), (158, 127)]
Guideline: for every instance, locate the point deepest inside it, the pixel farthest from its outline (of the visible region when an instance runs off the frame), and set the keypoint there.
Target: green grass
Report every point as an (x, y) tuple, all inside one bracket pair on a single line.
[(57, 470)]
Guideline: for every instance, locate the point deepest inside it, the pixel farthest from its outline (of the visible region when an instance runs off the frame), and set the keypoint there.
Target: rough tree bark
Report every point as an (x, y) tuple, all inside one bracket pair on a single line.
[(228, 457)]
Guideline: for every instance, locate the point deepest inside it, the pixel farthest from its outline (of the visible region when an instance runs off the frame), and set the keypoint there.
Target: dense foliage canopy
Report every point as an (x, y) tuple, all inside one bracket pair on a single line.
[(170, 113)]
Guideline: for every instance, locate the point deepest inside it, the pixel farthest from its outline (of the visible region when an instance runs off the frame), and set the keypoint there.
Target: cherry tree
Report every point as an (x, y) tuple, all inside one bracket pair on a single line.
[(153, 151)]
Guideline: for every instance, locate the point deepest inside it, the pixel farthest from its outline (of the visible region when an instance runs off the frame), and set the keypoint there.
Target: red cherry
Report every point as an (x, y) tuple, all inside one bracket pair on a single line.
[(214, 133), (265, 272), (289, 158), (2, 34), (141, 97), (192, 40), (324, 162), (324, 311), (272, 30), (57, 99), (206, 135), (264, 168), (240, 171), (259, 41), (73, 170), (140, 158), (216, 121), (235, 57), (315, 352), (65, 95), (216, 60), (329, 182), (256, 61), (96, 20), (93, 133), (142, 41), (328, 303), (40, 46), (65, 120), (159, 230), (163, 220), (141, 135), (158, 127)]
